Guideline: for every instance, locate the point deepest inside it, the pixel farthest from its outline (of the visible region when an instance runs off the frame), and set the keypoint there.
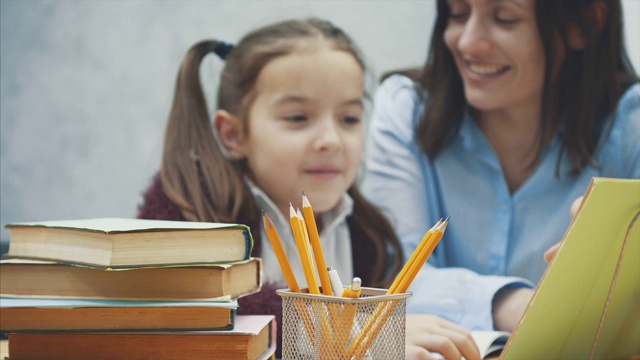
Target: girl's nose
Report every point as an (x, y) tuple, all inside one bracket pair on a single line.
[(328, 136), (475, 38)]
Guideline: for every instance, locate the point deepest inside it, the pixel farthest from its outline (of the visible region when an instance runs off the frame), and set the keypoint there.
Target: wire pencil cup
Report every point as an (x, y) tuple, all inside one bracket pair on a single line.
[(330, 327)]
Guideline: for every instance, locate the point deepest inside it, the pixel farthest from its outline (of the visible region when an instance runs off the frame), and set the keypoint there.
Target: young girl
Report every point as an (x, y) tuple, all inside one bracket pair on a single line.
[(519, 105), (289, 119)]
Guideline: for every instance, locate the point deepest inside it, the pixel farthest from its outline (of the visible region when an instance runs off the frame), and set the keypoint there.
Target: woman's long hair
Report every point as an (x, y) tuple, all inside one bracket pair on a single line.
[(581, 86)]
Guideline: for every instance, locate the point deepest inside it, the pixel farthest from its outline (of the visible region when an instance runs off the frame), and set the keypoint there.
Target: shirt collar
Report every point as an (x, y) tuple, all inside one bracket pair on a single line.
[(473, 138), (330, 219), (338, 214)]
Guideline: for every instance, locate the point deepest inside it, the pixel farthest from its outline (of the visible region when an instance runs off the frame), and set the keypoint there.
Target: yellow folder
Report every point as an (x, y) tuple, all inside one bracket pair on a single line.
[(587, 305)]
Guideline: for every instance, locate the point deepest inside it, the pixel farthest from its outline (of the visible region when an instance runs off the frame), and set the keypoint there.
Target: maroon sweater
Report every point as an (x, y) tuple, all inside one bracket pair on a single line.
[(156, 205)]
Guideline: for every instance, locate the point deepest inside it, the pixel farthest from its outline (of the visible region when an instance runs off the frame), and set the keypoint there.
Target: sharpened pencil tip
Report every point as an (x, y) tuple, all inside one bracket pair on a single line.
[(305, 201), (443, 226), (266, 220)]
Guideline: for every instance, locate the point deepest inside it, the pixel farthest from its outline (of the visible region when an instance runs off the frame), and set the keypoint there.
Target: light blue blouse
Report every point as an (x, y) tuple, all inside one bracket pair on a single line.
[(494, 238)]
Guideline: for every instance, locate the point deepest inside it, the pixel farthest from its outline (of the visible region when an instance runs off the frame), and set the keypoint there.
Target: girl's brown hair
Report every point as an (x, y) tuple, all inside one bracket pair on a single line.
[(207, 186), (580, 90)]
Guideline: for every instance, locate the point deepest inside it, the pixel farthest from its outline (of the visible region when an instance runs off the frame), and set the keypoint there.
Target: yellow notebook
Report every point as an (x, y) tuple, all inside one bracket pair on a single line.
[(587, 305)]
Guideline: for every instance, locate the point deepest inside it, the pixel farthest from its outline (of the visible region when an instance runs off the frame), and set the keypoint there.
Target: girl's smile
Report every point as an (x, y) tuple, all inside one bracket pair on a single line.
[(305, 121), (323, 172)]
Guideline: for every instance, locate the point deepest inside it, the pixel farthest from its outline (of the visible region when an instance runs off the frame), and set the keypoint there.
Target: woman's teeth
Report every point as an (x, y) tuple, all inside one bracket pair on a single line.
[(485, 69)]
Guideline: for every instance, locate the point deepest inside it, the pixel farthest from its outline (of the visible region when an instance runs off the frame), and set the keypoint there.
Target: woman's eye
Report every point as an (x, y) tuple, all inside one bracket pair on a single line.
[(458, 11), (506, 20), (506, 17), (457, 16)]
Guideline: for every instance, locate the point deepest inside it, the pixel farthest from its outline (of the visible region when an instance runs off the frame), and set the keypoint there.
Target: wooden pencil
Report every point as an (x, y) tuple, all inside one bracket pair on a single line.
[(314, 238), (276, 244), (422, 257), (299, 234), (412, 259), (382, 313)]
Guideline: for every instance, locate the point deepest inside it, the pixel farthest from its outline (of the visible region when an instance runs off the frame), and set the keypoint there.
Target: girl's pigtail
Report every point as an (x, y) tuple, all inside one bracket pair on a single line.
[(195, 173), (222, 49)]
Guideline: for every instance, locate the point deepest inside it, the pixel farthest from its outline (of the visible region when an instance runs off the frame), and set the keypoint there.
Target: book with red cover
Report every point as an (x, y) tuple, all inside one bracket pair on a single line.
[(252, 338)]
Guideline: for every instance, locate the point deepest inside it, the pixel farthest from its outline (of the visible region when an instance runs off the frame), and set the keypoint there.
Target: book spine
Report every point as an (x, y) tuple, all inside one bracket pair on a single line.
[(248, 244)]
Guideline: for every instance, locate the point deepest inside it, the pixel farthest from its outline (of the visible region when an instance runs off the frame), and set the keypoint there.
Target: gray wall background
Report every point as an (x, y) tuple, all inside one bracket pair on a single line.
[(86, 86)]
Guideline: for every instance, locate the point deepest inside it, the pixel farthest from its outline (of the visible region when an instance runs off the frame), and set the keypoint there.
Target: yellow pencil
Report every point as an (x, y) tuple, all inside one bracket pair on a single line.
[(412, 259), (422, 257), (371, 333), (314, 238), (354, 290), (305, 235), (276, 244), (348, 313), (380, 316), (317, 308), (289, 277), (297, 226)]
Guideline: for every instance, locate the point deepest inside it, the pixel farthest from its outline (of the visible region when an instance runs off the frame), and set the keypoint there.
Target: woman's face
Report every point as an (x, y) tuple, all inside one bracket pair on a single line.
[(305, 130), (498, 52)]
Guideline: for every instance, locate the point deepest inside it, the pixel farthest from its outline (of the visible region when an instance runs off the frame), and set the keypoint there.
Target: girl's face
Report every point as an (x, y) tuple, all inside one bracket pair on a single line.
[(498, 52), (305, 129)]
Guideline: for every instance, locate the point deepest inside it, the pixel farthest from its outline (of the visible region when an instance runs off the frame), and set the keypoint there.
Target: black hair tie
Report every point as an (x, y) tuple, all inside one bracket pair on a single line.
[(223, 49)]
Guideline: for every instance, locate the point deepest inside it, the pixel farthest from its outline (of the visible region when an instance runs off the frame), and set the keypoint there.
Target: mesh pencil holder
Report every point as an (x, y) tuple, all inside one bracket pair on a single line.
[(329, 327)]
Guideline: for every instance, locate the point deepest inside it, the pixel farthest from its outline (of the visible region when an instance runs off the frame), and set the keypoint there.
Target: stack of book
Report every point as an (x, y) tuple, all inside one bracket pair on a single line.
[(131, 288)]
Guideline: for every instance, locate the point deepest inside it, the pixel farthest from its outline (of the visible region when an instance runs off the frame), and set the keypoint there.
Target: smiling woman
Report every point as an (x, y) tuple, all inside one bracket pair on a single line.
[(500, 58), (499, 55), (520, 104)]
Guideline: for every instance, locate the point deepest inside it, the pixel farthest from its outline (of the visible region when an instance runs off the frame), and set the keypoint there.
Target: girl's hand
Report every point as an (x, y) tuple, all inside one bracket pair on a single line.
[(552, 251), (429, 333)]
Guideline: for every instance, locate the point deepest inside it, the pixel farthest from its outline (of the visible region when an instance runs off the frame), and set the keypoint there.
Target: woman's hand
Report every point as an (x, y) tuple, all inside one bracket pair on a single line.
[(509, 305), (552, 251), (429, 333)]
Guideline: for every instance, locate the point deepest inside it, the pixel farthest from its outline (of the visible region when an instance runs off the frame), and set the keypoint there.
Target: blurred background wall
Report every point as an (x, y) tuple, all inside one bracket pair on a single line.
[(86, 86)]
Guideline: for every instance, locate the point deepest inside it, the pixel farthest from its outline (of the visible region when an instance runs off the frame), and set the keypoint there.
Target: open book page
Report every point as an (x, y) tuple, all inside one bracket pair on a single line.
[(490, 343)]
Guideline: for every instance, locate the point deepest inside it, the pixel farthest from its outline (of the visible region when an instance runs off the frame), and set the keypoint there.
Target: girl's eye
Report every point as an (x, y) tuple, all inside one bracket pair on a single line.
[(351, 119), (296, 118)]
